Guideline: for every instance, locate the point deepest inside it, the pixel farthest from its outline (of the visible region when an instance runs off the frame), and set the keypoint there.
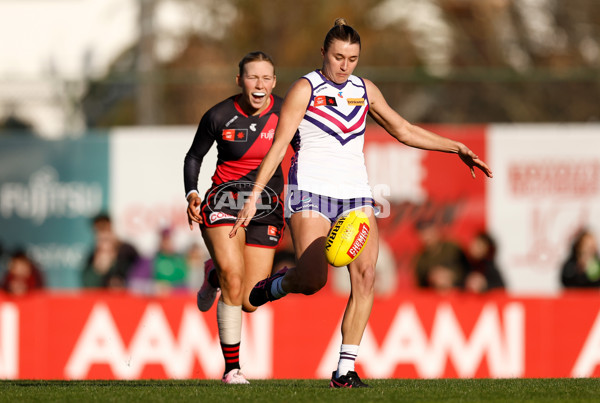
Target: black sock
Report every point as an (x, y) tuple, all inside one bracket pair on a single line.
[(231, 353)]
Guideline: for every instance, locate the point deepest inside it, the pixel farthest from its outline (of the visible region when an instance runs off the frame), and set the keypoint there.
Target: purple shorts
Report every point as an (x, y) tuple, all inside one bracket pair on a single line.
[(329, 207)]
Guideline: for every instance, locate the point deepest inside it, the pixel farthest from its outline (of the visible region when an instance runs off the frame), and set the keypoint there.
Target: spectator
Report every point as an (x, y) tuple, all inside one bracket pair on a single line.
[(582, 267), (22, 275), (168, 267), (110, 260), (441, 264), (3, 259), (483, 272)]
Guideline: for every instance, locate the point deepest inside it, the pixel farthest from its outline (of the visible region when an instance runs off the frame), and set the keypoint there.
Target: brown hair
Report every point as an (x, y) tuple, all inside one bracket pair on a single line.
[(257, 56), (342, 31)]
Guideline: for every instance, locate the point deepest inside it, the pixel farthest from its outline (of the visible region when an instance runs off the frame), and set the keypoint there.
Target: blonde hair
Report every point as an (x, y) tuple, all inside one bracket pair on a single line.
[(254, 57), (340, 21), (341, 31)]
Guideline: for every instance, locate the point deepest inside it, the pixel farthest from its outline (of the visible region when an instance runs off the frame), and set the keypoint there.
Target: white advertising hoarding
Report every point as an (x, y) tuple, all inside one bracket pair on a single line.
[(546, 186)]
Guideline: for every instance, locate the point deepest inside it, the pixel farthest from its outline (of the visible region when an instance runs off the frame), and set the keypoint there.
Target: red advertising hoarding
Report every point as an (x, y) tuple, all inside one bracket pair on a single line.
[(107, 335)]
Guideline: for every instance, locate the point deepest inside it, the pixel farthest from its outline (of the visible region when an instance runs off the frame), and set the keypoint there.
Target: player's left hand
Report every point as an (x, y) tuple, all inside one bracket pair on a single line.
[(472, 161)]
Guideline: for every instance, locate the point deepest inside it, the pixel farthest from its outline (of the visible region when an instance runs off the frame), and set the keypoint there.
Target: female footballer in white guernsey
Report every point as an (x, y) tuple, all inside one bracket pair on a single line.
[(323, 116)]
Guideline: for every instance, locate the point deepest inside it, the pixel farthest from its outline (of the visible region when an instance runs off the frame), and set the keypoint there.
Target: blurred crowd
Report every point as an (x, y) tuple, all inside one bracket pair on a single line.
[(441, 264), (114, 263)]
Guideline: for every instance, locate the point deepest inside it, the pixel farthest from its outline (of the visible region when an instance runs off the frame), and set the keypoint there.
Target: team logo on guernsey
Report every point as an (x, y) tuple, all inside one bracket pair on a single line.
[(356, 101), (323, 100), (236, 135), (267, 135)]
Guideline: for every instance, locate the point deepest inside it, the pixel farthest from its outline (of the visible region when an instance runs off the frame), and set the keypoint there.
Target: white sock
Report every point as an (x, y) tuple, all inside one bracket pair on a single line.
[(277, 288), (229, 320), (348, 353)]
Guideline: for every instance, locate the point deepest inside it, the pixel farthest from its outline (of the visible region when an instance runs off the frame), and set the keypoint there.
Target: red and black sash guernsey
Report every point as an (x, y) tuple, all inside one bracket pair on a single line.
[(242, 142)]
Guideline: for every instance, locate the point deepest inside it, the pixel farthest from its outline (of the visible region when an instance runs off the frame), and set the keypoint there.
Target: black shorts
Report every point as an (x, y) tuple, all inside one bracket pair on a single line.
[(222, 203)]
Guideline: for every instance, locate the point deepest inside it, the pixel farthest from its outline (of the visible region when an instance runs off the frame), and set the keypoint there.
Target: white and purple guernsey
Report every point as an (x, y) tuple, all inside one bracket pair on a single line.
[(328, 144)]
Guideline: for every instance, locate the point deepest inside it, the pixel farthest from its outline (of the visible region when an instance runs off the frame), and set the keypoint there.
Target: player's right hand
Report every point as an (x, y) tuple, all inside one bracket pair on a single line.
[(193, 210), (472, 161), (244, 217)]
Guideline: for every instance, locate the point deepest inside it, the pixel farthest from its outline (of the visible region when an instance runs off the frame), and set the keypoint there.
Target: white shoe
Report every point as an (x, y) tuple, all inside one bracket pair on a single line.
[(235, 377), (207, 294)]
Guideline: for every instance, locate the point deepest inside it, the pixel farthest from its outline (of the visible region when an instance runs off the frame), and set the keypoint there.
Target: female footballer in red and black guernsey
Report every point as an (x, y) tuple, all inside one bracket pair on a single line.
[(242, 126)]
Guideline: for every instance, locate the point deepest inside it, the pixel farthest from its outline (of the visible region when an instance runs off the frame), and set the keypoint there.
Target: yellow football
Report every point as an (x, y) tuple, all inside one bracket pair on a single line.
[(347, 238)]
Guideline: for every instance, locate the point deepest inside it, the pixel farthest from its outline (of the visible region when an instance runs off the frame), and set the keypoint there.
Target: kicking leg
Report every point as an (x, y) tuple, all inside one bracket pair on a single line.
[(309, 231)]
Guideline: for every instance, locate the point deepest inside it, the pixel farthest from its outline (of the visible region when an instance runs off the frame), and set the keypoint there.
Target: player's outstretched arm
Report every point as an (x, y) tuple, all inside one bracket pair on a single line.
[(415, 136)]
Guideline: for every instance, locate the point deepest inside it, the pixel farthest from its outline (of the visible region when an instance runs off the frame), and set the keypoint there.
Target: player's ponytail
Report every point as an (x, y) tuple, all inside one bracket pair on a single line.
[(342, 31), (340, 21)]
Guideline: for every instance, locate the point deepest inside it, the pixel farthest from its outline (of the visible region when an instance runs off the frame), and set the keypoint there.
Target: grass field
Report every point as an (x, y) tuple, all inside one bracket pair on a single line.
[(309, 391)]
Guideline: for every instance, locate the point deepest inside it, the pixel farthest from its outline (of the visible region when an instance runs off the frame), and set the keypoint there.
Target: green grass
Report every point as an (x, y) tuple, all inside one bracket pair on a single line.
[(309, 391)]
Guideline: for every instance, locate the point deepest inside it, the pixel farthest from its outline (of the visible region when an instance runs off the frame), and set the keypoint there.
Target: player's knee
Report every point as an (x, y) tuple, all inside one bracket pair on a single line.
[(364, 278), (233, 284)]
